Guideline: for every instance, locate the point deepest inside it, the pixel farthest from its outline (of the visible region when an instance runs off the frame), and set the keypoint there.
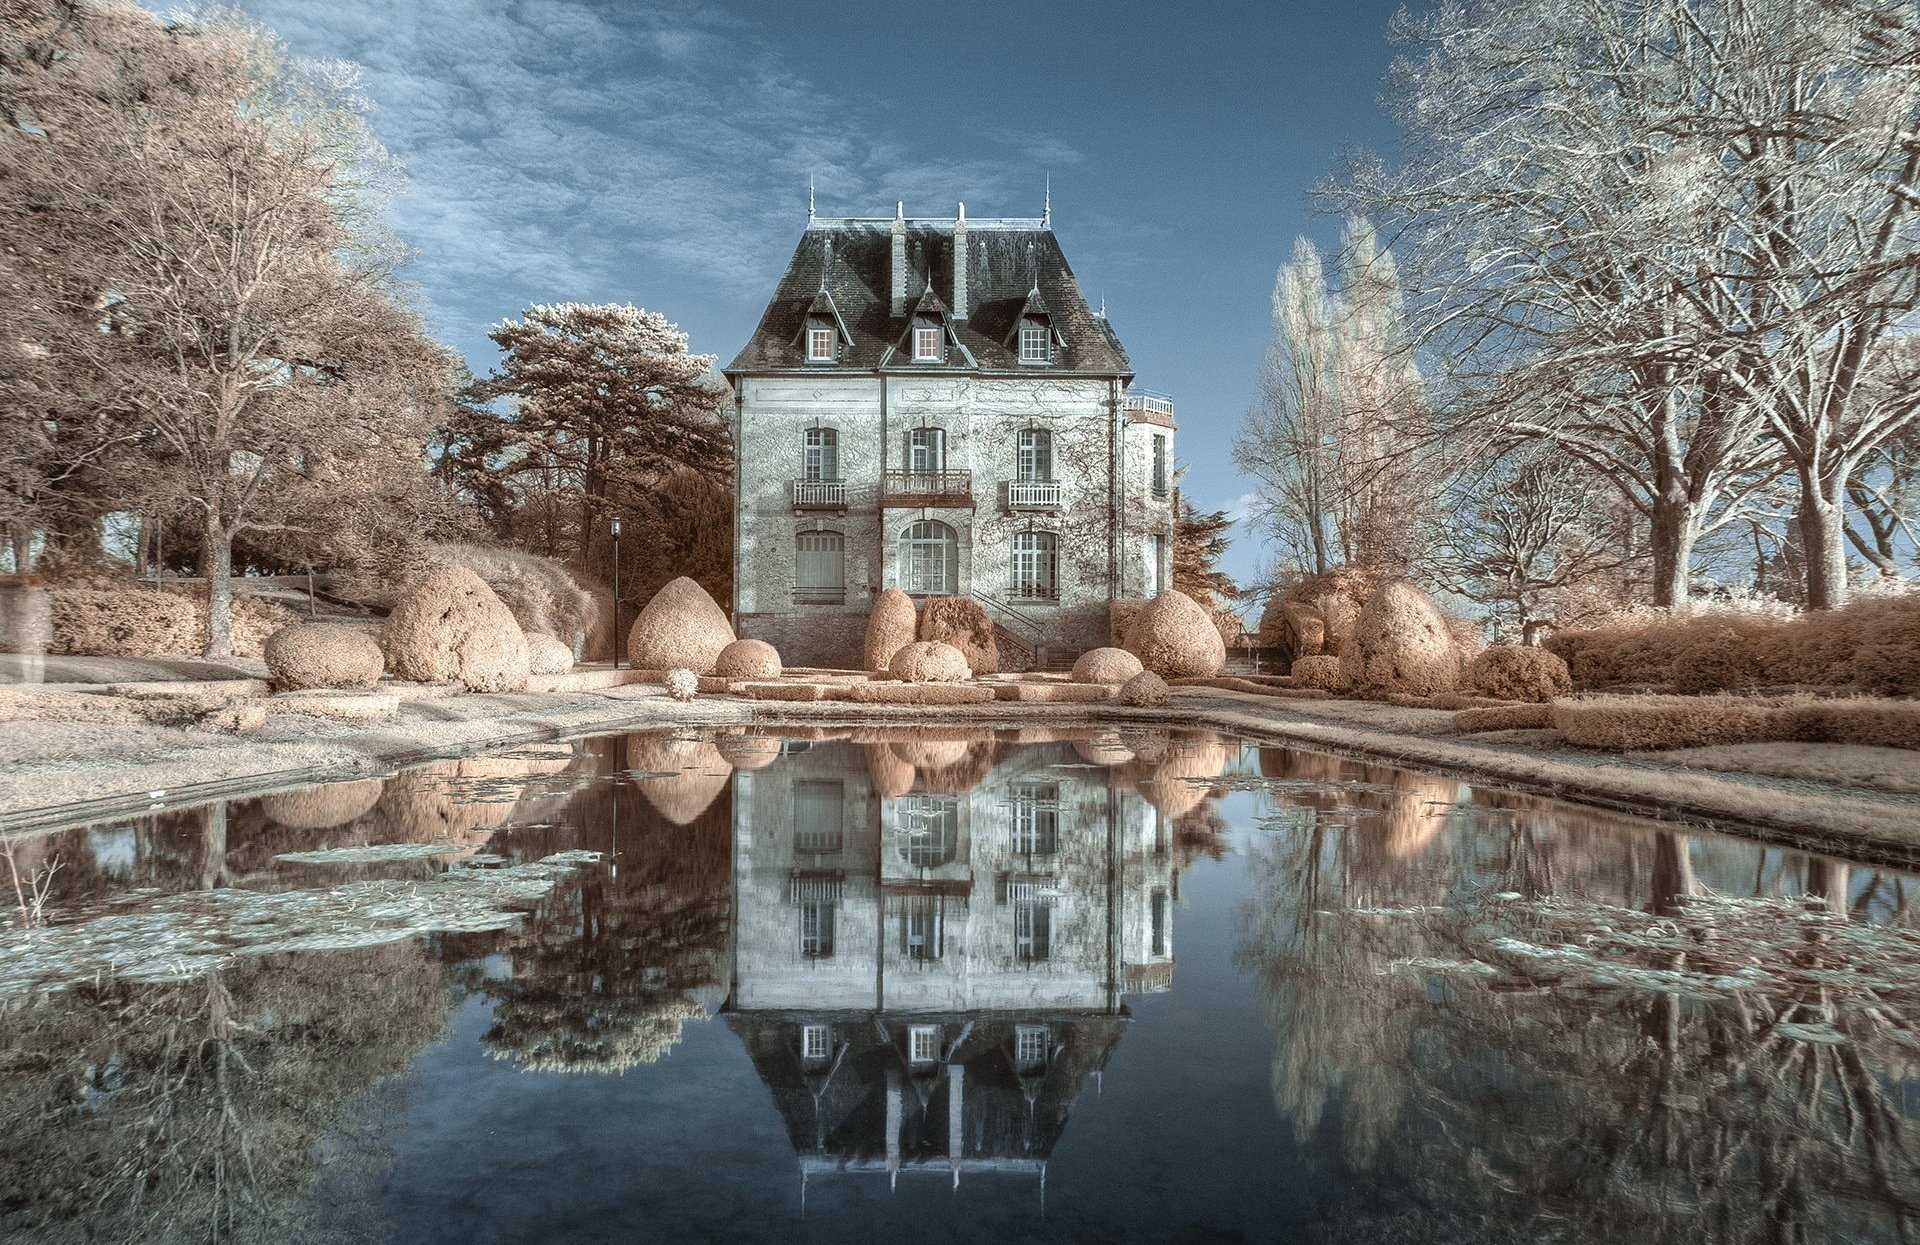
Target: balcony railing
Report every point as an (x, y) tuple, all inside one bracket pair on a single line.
[(1033, 495), (923, 488), (819, 495), (1155, 405)]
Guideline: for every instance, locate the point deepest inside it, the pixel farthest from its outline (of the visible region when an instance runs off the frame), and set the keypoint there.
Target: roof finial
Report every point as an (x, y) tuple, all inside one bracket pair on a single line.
[(900, 210), (1103, 306), (809, 198), (1046, 211), (963, 213)]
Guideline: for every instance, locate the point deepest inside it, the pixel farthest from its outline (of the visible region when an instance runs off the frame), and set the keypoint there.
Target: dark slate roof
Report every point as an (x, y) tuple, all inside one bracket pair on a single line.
[(1006, 261)]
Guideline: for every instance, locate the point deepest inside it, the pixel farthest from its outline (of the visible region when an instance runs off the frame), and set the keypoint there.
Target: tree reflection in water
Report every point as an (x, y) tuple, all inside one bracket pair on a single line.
[(191, 1112), (1554, 1028)]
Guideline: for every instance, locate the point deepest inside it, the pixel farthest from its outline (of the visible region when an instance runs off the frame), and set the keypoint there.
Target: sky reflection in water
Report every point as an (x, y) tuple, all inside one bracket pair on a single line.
[(853, 984)]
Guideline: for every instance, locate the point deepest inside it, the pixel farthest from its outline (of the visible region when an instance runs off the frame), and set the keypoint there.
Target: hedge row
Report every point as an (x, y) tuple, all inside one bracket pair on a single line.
[(1871, 646), (1649, 723)]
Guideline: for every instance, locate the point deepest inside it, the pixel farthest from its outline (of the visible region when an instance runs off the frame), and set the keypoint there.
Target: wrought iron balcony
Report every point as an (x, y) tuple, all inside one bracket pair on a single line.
[(1033, 495), (926, 488), (819, 495)]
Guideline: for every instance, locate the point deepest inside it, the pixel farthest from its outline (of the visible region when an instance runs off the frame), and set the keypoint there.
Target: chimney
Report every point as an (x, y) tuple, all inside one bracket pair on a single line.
[(900, 258), (960, 265)]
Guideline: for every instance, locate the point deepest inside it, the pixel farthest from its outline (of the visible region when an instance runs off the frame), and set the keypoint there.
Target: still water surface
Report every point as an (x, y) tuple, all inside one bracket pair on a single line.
[(925, 986)]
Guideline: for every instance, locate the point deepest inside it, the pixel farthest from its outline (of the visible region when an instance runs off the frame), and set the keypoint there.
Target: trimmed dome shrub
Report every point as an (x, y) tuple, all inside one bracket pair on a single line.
[(930, 661), (682, 683), (323, 807), (681, 628), (548, 654), (964, 623), (748, 659), (1401, 643), (1105, 665), (450, 628), (1320, 671), (315, 654), (890, 627), (1519, 672), (1175, 638), (1145, 690)]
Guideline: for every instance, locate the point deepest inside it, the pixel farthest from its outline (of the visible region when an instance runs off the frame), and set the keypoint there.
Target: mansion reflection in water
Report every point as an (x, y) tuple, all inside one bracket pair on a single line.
[(933, 939)]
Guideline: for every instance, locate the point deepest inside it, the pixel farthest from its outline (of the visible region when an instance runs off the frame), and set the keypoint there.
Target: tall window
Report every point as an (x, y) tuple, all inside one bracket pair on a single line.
[(820, 345), (929, 559), (926, 344), (1159, 913), (927, 449), (1036, 566), (815, 1043), (1036, 818), (923, 1043), (1033, 342), (1032, 931), (1157, 566), (816, 929), (923, 928), (819, 816), (1035, 463), (929, 830), (820, 457), (1159, 465), (820, 568)]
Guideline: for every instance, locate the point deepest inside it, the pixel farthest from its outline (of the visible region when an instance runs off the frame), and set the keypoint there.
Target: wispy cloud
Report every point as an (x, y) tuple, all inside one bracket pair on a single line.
[(559, 151)]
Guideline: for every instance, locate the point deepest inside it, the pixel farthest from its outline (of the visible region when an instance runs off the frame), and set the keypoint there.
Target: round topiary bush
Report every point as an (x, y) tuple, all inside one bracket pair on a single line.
[(323, 655), (1519, 672), (1145, 690), (890, 627), (1105, 665), (450, 628), (930, 661), (323, 807), (1174, 638), (681, 628), (682, 684), (748, 659), (548, 654), (964, 623), (1401, 643), (1320, 671)]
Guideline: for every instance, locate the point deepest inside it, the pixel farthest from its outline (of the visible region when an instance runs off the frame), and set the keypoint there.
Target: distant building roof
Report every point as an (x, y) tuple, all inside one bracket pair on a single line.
[(1007, 262)]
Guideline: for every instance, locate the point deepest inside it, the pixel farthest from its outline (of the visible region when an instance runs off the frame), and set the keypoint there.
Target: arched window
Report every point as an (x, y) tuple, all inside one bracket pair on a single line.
[(929, 559), (1036, 566), (820, 455), (820, 568)]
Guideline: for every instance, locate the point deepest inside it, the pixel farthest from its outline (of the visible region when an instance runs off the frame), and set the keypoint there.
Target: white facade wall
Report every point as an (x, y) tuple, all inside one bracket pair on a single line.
[(982, 417)]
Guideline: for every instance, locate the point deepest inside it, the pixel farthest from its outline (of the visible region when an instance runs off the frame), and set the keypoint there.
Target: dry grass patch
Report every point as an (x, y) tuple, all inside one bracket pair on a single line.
[(1504, 718), (1647, 723), (781, 691), (1067, 693)]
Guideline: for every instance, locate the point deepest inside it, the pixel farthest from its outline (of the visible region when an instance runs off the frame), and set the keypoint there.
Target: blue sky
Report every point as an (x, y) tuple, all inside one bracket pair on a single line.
[(658, 153)]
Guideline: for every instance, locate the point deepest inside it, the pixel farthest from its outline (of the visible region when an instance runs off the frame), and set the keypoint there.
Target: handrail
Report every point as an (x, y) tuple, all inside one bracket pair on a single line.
[(927, 483), (994, 604), (819, 494), (1146, 400)]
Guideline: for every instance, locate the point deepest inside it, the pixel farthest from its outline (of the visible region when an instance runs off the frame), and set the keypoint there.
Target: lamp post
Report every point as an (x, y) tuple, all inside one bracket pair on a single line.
[(616, 592)]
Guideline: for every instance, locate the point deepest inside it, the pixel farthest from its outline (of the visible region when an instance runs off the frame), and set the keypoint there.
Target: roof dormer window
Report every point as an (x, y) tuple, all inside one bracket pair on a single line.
[(1034, 346), (821, 340), (926, 344)]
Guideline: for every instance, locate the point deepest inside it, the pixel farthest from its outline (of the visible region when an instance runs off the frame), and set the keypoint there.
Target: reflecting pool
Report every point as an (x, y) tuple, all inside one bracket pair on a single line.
[(860, 983)]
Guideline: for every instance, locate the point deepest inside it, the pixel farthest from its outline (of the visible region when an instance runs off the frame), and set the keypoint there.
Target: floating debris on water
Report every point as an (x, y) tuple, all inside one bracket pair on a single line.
[(371, 854)]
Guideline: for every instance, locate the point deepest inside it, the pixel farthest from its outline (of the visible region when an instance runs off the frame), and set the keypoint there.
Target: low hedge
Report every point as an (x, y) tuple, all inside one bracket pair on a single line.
[(1654, 723)]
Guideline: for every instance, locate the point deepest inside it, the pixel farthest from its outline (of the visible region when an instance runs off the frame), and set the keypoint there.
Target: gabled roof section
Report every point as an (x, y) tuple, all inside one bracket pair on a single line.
[(1009, 263), (822, 305)]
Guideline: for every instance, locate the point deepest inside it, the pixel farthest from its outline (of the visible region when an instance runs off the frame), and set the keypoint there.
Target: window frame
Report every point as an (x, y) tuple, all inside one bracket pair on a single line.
[(1033, 456), (808, 1036), (1158, 481), (813, 794), (1030, 331), (918, 548), (1027, 1060), (1035, 825), (926, 449), (1033, 565), (820, 455), (817, 926), (829, 542), (816, 333), (923, 1044), (922, 334), (1032, 931)]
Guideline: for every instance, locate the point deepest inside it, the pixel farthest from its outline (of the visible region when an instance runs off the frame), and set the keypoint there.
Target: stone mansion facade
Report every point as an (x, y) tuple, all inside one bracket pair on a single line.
[(930, 404)]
